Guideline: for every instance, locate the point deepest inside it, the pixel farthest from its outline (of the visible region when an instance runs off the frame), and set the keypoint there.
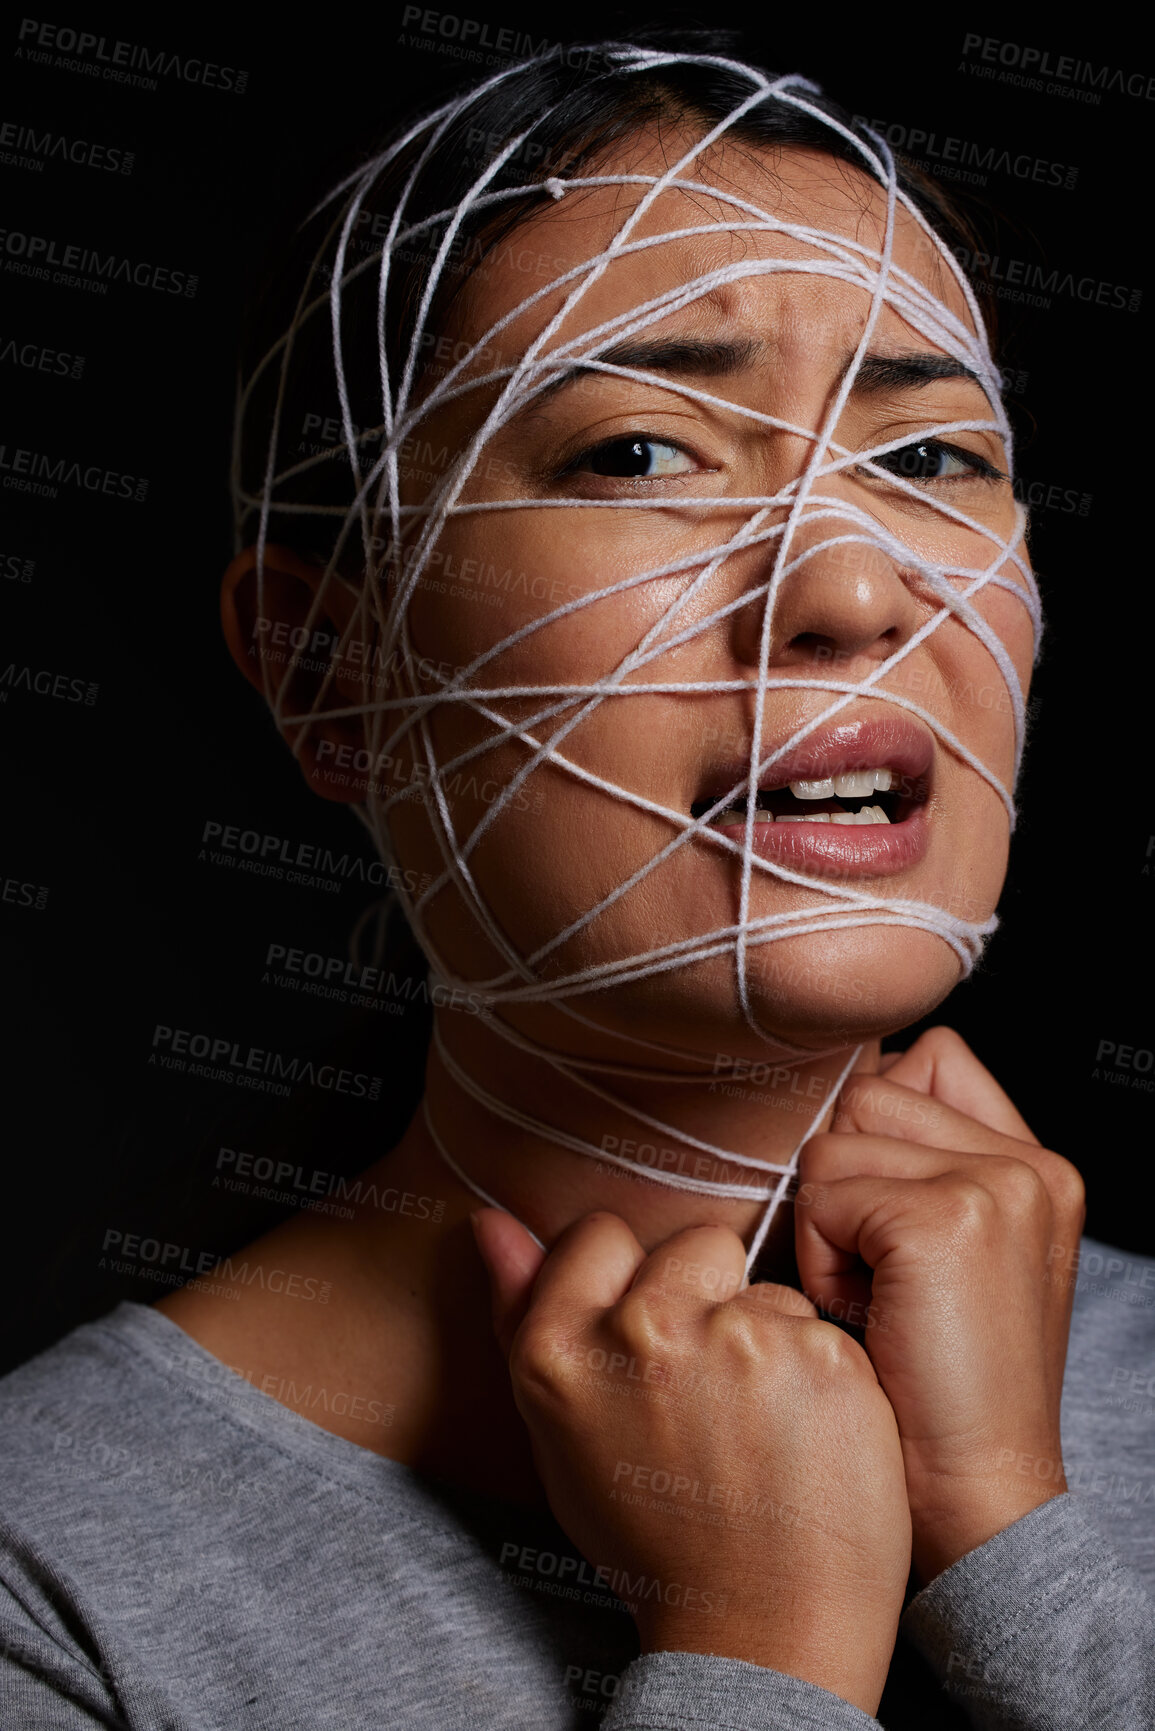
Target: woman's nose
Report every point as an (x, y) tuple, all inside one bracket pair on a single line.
[(836, 600)]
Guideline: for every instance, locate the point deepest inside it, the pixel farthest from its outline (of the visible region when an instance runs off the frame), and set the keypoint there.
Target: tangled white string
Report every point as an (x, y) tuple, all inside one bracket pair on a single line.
[(398, 540)]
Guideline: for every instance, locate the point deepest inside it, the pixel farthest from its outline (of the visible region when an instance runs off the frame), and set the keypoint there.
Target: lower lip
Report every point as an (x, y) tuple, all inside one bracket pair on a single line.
[(839, 849)]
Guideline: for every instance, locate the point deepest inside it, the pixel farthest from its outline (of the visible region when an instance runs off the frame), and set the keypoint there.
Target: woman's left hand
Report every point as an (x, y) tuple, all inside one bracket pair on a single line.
[(969, 1231)]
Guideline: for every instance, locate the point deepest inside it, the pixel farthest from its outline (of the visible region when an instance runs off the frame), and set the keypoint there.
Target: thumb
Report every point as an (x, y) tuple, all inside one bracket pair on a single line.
[(512, 1261)]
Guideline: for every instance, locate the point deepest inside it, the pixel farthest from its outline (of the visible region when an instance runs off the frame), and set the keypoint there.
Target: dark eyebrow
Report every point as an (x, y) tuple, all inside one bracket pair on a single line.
[(906, 372), (678, 356), (683, 357)]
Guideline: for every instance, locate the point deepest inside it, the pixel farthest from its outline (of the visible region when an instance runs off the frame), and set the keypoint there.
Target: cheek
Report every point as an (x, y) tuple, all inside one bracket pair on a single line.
[(1010, 626), (484, 581), (493, 578), (974, 697)]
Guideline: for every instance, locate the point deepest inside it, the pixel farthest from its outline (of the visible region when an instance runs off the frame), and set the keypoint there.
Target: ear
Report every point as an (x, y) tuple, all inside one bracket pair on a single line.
[(283, 642)]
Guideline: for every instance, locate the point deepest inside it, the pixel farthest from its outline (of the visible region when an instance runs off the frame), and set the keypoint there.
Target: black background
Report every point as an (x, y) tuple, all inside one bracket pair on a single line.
[(105, 803)]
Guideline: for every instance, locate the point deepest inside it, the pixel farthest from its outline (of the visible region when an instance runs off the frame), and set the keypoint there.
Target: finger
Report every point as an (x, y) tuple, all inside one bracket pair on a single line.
[(588, 1270), (882, 1108), (701, 1262), (886, 1105), (996, 1163), (829, 1158), (858, 1220), (785, 1300), (512, 1261), (941, 1064)]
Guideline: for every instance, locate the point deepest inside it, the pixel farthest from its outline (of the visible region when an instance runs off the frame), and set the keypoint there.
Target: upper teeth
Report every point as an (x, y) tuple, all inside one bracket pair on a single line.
[(855, 784)]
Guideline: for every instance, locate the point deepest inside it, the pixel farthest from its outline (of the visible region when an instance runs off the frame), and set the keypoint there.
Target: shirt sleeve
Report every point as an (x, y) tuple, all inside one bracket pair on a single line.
[(43, 1688), (700, 1692), (49, 1679), (1041, 1629)]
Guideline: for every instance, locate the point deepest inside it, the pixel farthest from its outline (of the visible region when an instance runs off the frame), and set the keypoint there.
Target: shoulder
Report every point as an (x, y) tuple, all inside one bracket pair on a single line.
[(84, 1421), (129, 1426), (89, 1372)]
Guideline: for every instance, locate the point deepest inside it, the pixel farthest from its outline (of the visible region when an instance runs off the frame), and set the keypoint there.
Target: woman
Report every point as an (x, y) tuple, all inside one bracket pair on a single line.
[(666, 356)]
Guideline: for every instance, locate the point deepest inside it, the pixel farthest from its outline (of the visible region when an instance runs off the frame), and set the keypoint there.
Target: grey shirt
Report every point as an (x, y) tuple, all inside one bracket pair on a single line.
[(180, 1552)]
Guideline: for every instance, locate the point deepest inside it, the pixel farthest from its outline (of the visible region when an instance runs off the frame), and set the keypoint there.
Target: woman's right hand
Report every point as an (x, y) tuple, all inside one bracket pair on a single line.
[(719, 1445)]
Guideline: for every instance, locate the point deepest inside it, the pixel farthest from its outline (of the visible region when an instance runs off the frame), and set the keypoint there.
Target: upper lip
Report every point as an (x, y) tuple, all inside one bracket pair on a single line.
[(898, 744)]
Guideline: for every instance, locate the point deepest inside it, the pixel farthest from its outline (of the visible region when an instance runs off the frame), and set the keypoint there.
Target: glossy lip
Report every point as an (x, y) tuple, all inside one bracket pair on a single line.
[(842, 850)]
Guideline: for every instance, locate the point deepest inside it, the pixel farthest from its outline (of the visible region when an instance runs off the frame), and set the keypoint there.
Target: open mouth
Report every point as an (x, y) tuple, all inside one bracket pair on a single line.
[(854, 797)]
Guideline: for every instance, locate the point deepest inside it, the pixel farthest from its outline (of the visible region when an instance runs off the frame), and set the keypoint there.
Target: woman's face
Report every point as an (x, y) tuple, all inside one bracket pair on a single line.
[(777, 344)]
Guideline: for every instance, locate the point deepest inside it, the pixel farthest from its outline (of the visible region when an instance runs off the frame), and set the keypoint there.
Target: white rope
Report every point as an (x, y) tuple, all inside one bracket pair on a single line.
[(374, 510)]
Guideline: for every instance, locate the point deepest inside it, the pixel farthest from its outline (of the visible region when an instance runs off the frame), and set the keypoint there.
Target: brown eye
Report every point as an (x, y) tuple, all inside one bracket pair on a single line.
[(931, 460)]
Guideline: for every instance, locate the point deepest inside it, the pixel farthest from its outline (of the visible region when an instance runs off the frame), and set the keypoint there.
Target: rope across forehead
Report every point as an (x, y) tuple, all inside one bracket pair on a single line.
[(398, 547)]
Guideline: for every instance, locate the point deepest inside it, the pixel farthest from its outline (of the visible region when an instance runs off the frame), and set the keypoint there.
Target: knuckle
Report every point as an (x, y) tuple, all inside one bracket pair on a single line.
[(646, 1322), (538, 1365), (943, 1041), (968, 1207), (741, 1336), (827, 1351), (1065, 1183), (1021, 1187)]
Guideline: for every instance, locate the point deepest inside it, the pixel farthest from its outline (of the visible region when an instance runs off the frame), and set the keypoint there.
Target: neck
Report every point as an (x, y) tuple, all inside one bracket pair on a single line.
[(448, 1373), (409, 1320), (664, 1150)]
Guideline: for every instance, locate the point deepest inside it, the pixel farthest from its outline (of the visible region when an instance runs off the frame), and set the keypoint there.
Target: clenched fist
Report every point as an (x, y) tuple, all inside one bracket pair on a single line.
[(931, 1212), (719, 1440)]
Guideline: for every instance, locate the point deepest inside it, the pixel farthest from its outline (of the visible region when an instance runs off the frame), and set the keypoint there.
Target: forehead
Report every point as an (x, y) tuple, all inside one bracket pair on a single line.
[(787, 238)]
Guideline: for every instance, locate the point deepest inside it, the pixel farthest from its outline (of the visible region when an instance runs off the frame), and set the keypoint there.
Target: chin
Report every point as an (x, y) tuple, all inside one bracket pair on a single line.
[(840, 988), (823, 991)]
